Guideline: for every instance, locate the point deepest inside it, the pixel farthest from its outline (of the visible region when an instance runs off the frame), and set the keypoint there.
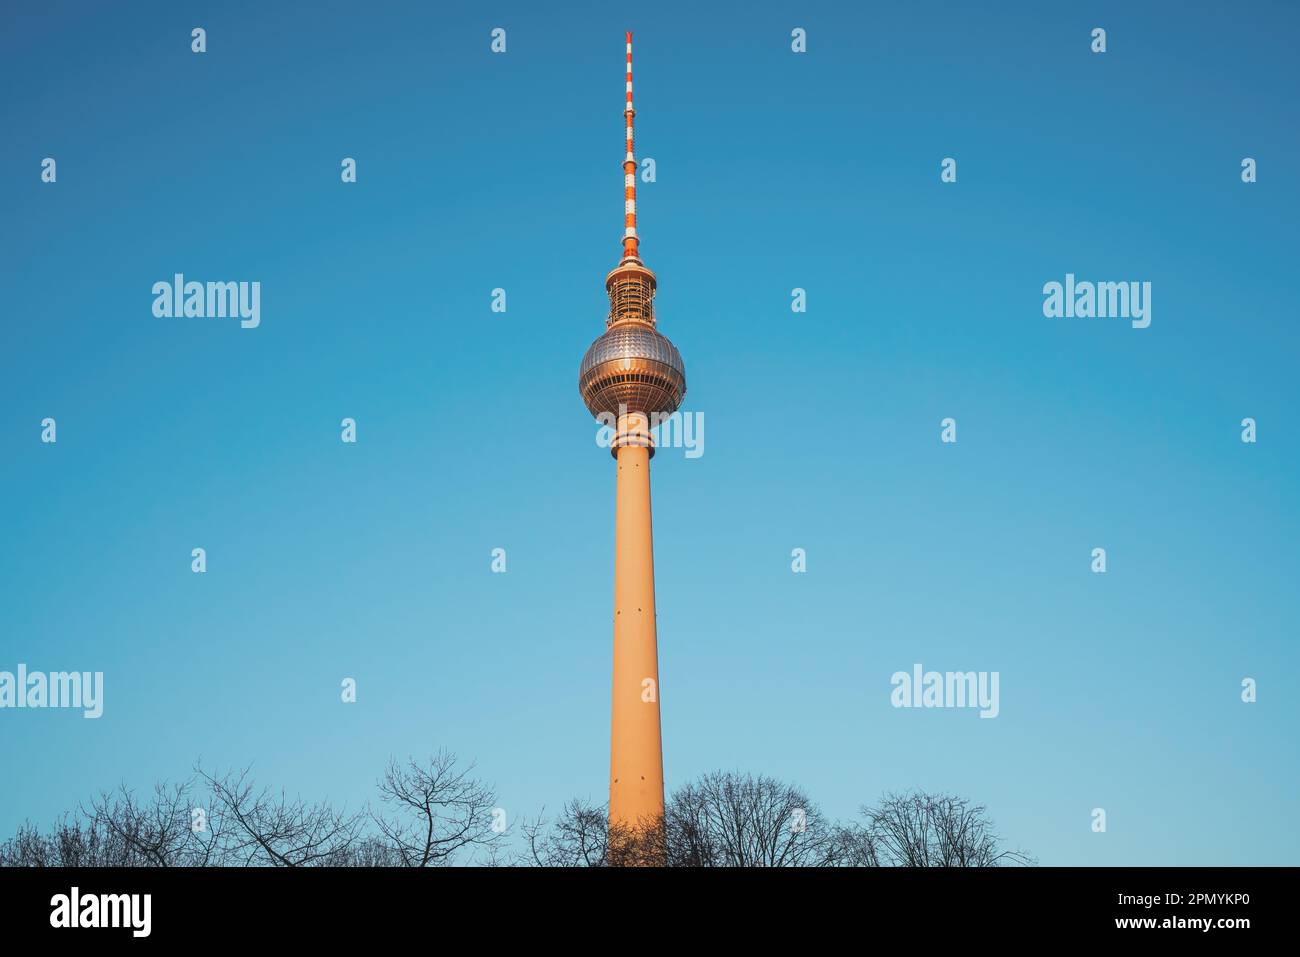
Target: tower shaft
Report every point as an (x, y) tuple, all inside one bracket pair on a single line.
[(636, 771)]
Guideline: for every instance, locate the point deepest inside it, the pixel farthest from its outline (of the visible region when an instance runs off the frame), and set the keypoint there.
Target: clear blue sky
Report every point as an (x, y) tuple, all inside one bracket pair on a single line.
[(775, 170)]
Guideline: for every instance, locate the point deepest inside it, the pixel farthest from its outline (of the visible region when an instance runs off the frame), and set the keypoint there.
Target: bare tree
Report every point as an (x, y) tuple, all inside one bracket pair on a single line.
[(579, 837), (276, 830), (855, 846), (721, 820), (174, 829), (120, 830), (643, 843), (917, 829), (582, 836), (368, 851), (71, 843), (727, 819), (435, 811)]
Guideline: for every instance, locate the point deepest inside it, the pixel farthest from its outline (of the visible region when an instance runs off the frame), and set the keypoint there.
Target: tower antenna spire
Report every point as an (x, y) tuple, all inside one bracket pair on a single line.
[(629, 172)]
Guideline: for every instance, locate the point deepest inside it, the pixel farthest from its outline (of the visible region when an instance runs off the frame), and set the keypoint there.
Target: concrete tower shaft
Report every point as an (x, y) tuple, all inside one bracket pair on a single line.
[(636, 768)]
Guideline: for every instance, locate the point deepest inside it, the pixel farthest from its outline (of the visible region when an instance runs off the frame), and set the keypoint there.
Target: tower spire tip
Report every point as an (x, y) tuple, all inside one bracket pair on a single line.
[(630, 240)]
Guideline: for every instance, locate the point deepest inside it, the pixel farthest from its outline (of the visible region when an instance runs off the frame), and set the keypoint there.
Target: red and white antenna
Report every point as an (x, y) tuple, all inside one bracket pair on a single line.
[(629, 172)]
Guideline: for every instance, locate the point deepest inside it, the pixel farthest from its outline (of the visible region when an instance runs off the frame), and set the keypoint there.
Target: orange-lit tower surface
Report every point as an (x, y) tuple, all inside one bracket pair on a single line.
[(629, 376)]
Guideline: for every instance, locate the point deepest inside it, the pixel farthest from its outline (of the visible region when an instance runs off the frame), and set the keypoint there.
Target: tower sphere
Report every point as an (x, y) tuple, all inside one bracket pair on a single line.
[(632, 368)]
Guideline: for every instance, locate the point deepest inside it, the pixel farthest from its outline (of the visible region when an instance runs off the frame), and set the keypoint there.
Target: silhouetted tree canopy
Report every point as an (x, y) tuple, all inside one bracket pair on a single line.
[(430, 814), (729, 819), (436, 813)]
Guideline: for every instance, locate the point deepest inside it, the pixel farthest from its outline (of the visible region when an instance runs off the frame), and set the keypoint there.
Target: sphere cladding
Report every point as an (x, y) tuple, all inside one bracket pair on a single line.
[(633, 366)]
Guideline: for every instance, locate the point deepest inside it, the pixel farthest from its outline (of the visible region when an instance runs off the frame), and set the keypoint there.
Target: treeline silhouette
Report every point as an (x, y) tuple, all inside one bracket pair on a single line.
[(437, 813)]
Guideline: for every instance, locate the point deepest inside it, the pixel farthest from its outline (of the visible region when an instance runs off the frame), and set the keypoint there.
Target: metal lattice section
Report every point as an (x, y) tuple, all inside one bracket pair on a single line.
[(631, 299)]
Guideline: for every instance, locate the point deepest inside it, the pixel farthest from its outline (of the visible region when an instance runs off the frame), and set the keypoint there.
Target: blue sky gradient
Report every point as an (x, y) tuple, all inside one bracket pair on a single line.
[(774, 171)]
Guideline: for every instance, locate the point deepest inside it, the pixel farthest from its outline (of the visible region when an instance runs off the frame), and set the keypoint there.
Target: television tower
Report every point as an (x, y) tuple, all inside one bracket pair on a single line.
[(630, 376)]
